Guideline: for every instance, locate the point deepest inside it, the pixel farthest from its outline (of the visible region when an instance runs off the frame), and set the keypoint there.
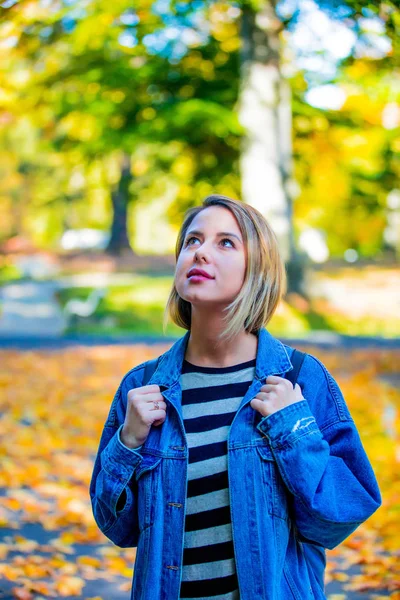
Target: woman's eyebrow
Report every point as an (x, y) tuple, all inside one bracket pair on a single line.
[(219, 234)]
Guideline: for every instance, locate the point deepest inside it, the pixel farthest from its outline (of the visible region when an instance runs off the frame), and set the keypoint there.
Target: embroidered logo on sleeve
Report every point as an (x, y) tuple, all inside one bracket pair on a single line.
[(302, 423)]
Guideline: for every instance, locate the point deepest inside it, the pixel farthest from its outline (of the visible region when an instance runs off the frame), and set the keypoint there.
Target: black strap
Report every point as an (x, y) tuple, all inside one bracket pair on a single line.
[(296, 359)]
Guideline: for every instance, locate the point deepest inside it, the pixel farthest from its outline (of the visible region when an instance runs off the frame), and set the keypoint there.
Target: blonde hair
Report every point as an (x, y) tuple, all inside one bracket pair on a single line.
[(265, 281)]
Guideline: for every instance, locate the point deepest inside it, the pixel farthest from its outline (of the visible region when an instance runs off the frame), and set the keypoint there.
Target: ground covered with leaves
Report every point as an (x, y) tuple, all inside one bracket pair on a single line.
[(53, 407)]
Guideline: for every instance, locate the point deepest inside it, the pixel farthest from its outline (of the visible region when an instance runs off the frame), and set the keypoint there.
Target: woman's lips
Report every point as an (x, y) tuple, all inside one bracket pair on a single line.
[(198, 277)]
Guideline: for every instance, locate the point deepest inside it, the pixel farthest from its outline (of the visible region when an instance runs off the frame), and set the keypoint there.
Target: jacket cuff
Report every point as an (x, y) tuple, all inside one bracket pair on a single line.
[(287, 425), (119, 460), (121, 442)]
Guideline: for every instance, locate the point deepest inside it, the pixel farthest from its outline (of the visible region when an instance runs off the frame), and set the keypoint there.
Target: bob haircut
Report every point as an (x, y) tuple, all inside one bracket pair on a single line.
[(265, 281)]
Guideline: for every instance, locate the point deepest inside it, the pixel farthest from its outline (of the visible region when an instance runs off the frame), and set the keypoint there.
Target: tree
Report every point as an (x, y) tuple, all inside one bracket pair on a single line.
[(265, 113), (195, 98), (113, 99)]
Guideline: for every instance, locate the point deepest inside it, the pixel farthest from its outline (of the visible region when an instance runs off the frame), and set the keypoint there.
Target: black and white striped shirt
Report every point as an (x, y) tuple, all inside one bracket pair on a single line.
[(210, 399)]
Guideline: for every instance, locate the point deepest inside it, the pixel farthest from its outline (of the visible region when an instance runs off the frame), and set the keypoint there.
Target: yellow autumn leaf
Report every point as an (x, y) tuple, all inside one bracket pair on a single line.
[(50, 432), (70, 586)]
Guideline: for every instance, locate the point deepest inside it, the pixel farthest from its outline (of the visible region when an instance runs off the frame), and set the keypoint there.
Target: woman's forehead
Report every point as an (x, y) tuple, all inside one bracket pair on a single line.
[(214, 217)]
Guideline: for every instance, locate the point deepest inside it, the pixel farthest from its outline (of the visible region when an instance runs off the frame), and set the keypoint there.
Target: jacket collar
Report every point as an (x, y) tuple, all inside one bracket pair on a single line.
[(272, 359)]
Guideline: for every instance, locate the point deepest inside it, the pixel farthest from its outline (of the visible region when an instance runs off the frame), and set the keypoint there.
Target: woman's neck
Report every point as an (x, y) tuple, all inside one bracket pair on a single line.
[(206, 350)]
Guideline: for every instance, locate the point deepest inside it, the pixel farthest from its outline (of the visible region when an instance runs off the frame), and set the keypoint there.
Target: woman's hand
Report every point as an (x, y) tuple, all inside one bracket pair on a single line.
[(141, 414), (277, 393)]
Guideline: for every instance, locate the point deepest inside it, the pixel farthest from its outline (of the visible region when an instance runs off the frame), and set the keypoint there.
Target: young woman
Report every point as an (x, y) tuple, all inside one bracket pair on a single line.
[(229, 480)]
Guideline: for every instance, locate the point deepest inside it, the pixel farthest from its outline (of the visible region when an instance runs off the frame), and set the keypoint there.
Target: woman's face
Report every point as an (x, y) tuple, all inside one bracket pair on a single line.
[(213, 243)]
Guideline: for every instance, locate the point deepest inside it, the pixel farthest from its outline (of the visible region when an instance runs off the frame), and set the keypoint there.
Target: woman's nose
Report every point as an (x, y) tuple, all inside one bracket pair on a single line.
[(201, 252)]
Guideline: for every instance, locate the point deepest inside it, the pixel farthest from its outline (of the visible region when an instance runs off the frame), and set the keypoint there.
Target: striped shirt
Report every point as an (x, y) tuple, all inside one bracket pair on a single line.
[(210, 399)]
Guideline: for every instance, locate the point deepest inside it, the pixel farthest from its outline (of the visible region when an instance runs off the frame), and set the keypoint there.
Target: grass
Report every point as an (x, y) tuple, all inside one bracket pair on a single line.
[(9, 273), (138, 309), (125, 309)]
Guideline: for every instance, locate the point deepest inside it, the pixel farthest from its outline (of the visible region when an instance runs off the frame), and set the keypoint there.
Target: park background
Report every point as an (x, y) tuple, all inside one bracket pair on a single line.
[(114, 119)]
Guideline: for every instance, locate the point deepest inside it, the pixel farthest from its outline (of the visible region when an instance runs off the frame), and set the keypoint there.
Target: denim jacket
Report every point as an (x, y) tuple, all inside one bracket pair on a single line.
[(299, 479)]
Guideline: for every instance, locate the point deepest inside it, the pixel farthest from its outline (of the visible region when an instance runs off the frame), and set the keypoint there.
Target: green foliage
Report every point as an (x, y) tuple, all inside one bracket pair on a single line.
[(347, 161), (80, 85), (9, 273)]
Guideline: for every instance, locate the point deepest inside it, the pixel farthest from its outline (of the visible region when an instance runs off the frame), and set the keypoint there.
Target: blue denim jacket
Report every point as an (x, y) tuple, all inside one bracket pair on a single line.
[(300, 481)]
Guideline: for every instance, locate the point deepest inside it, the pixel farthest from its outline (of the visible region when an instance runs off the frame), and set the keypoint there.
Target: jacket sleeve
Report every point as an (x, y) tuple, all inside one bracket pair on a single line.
[(113, 488), (326, 469)]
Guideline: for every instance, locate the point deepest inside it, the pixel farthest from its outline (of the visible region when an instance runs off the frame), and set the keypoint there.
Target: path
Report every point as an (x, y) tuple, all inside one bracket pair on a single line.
[(29, 308), (108, 590)]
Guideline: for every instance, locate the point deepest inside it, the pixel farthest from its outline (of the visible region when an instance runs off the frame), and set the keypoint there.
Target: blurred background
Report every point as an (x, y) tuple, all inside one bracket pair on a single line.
[(114, 119)]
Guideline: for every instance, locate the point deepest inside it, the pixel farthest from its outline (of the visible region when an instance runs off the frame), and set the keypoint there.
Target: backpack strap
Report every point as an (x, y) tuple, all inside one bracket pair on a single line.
[(149, 369), (296, 359)]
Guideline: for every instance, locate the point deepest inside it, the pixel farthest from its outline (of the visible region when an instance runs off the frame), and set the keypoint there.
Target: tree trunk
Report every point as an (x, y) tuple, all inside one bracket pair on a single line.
[(119, 241), (265, 113)]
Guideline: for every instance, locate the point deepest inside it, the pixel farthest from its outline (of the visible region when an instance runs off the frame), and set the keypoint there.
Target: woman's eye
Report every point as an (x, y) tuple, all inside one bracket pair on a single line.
[(195, 238), (188, 240)]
